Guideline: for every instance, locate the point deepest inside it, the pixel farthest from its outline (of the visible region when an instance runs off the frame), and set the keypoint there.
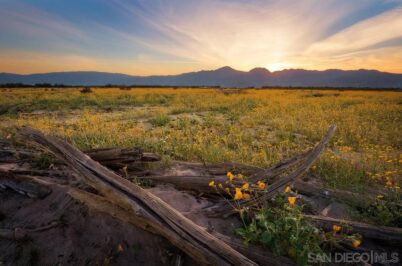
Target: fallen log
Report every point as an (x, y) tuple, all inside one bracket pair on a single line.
[(200, 184), (279, 168), (101, 204), (37, 172), (117, 158), (390, 235), (24, 185), (196, 183), (156, 215), (310, 189), (220, 168), (9, 154)]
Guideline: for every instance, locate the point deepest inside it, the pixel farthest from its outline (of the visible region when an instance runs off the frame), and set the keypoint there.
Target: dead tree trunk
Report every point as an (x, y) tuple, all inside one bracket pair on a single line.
[(382, 233), (101, 204), (156, 215)]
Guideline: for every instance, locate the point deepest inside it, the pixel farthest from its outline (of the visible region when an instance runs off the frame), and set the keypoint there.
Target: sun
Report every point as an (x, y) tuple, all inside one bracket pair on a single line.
[(276, 66)]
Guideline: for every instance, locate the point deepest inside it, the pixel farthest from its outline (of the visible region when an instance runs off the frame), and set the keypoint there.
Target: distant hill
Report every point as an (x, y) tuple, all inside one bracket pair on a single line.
[(224, 77)]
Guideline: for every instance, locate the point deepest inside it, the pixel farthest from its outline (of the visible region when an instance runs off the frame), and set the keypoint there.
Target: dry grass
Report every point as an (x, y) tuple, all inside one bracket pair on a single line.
[(258, 127)]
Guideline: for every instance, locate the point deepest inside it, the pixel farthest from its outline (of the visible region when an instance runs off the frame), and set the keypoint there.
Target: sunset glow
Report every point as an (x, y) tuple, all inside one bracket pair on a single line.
[(168, 37)]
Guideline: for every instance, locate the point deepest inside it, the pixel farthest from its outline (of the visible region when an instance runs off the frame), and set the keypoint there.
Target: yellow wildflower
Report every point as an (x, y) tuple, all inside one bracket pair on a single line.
[(240, 176), (227, 190), (238, 195), (356, 243), (212, 183), (230, 176), (245, 186), (220, 185), (380, 197), (292, 200), (336, 228), (261, 184), (288, 189)]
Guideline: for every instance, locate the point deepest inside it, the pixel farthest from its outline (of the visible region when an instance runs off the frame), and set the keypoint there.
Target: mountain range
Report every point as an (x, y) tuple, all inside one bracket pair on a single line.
[(223, 77)]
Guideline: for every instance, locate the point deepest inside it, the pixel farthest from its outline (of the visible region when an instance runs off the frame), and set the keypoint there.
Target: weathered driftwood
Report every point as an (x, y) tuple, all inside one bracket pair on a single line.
[(386, 234), (102, 204), (306, 162), (217, 169), (311, 189), (38, 172), (124, 200), (391, 235), (114, 158), (156, 215), (25, 185), (200, 184), (117, 158), (195, 183), (9, 155), (279, 168)]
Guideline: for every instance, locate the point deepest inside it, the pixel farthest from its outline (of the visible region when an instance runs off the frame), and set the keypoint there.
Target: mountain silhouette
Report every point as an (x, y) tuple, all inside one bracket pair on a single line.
[(223, 77)]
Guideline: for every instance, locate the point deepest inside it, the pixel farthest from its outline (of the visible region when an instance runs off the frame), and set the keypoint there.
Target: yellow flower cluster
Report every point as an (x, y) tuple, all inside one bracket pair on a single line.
[(242, 192), (238, 194), (88, 127), (336, 228), (261, 185), (292, 200), (230, 176), (356, 243)]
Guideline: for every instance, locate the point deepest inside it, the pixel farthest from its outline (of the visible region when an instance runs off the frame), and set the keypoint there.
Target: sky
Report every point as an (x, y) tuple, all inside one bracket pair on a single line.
[(146, 37)]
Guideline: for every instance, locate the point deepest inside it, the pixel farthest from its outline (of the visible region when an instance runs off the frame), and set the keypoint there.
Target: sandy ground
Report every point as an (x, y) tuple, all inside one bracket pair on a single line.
[(87, 237), (84, 236)]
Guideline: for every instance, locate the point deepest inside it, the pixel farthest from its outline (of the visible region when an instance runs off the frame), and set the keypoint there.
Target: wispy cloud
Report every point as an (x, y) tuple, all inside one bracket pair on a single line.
[(32, 26), (160, 36), (362, 35)]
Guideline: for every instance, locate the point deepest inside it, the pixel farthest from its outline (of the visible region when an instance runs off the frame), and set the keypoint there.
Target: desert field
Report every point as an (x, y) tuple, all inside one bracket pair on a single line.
[(200, 133), (255, 127), (358, 174)]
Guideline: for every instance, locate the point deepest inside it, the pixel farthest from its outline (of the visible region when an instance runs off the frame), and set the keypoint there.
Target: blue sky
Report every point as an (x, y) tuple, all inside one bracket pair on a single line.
[(173, 36)]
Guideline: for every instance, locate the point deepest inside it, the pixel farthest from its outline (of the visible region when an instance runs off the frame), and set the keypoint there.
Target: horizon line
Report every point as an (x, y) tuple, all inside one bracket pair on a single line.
[(195, 71)]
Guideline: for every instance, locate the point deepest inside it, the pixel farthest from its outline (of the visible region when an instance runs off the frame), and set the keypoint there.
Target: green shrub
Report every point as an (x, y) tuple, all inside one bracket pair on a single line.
[(43, 161), (86, 90), (160, 120), (384, 210), (282, 228)]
